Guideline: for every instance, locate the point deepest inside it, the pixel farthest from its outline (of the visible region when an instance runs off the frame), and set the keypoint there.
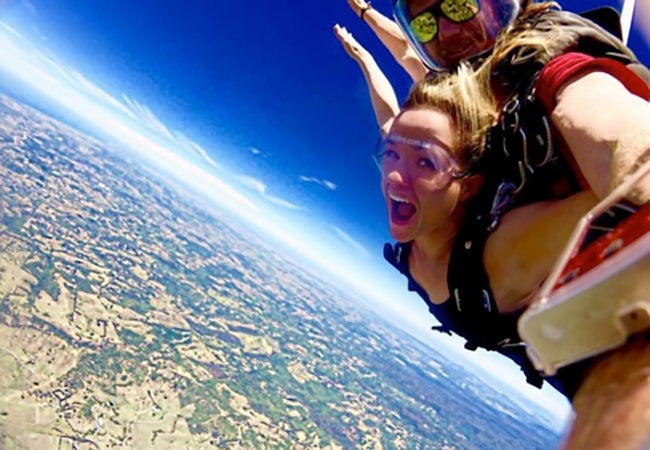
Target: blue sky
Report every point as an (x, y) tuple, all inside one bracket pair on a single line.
[(253, 103)]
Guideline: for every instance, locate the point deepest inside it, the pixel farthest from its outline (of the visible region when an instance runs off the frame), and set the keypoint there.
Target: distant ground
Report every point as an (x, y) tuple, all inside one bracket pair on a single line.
[(132, 318)]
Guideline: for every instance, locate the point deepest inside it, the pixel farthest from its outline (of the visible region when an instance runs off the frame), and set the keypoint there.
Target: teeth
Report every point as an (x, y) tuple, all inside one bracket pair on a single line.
[(397, 198)]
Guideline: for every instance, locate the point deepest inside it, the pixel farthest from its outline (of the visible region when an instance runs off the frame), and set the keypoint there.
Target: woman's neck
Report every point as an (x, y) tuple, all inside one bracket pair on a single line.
[(429, 260), (435, 246), (431, 249)]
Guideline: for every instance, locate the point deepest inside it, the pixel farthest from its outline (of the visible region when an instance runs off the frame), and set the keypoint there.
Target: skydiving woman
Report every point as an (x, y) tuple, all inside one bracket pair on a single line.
[(572, 123), (433, 184)]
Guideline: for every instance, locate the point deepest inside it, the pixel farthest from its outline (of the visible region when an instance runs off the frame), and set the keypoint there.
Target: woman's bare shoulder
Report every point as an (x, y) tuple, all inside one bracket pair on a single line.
[(522, 250)]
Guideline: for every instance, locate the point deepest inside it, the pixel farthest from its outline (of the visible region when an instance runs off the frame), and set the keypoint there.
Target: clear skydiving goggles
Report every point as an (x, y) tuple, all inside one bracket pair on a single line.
[(478, 23), (417, 159)]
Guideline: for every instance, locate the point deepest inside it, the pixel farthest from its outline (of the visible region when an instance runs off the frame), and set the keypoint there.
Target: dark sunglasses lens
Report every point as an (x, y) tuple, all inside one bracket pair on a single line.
[(459, 10), (424, 27)]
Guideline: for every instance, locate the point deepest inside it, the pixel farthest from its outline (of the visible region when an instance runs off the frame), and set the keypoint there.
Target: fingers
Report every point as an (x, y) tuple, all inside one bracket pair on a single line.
[(349, 43), (354, 5), (338, 29), (345, 36), (357, 5), (341, 32)]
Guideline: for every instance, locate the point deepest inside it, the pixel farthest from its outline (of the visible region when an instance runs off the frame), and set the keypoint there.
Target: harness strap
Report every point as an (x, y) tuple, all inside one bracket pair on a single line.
[(477, 326), (521, 165)]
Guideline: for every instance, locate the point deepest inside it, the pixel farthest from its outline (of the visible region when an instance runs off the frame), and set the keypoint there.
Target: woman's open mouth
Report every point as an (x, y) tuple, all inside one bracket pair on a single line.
[(401, 210)]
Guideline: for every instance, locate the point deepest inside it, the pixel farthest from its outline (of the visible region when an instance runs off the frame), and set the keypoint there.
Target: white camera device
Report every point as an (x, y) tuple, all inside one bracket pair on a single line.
[(597, 295)]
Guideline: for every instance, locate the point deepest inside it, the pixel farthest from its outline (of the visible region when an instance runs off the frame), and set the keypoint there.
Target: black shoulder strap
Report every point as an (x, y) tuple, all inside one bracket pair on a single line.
[(600, 35), (397, 256), (606, 17), (481, 326), (521, 165)]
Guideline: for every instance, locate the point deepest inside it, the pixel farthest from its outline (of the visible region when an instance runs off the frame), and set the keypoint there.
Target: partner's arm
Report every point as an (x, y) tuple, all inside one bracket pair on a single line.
[(390, 34), (606, 127)]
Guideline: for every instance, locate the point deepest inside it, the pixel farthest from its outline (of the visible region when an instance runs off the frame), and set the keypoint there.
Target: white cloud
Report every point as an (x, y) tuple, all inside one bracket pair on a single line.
[(37, 31), (187, 143), (73, 92), (260, 187), (324, 183), (135, 110), (83, 84), (79, 96), (146, 117), (30, 7), (10, 30), (253, 183), (255, 151), (350, 241), (284, 203)]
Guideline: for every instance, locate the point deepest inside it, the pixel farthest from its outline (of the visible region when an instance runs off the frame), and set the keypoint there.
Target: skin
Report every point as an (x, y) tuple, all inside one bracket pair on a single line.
[(613, 402), (437, 213), (452, 41), (606, 130), (440, 211), (382, 95), (611, 144), (393, 39)]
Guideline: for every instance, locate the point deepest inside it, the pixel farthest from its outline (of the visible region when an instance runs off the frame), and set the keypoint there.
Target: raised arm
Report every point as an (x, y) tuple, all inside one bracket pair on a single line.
[(392, 37), (382, 95)]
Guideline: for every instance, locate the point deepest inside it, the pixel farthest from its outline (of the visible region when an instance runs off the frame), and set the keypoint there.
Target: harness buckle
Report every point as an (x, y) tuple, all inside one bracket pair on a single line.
[(503, 199)]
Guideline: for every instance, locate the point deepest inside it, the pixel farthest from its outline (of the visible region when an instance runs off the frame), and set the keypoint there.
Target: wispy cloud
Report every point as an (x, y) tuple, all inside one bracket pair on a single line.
[(260, 187), (70, 89), (29, 6), (188, 144), (253, 183), (284, 203), (321, 182), (139, 112), (146, 117), (86, 86), (350, 241), (255, 151), (10, 30)]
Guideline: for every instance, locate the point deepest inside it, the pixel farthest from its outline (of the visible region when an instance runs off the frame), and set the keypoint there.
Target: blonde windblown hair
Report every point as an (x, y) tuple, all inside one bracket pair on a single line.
[(459, 95), (472, 97), (526, 37)]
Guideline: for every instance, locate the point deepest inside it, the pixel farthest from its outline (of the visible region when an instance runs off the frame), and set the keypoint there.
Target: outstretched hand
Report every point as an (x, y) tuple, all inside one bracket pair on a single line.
[(350, 44), (358, 6)]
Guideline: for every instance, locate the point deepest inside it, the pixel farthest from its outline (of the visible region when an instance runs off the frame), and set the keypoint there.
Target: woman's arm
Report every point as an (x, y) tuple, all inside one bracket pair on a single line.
[(392, 37), (382, 95)]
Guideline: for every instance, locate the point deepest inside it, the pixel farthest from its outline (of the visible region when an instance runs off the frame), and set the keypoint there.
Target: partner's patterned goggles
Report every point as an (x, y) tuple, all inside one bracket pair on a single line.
[(425, 24), (471, 27), (415, 158)]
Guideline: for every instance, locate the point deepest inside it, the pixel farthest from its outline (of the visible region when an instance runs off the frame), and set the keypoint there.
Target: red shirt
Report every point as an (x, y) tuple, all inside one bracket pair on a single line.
[(563, 68)]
